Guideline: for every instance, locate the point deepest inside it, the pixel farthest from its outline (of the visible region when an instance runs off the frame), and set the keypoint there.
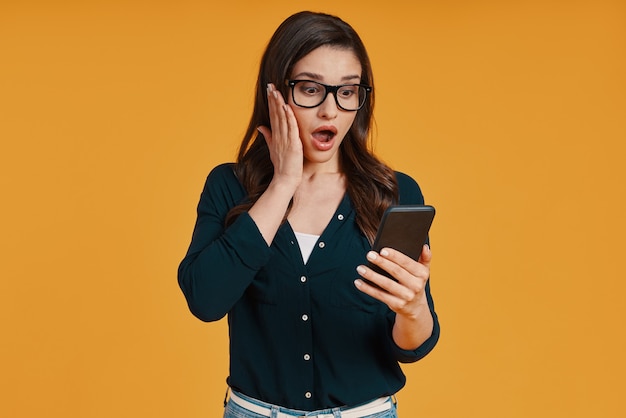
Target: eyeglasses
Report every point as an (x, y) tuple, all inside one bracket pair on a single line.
[(307, 93)]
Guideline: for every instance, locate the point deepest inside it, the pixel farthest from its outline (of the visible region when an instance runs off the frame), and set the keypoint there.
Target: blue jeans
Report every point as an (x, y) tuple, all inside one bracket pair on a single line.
[(233, 410)]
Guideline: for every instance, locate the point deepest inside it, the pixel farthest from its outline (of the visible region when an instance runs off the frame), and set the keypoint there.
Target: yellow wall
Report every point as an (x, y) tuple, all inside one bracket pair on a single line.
[(510, 115)]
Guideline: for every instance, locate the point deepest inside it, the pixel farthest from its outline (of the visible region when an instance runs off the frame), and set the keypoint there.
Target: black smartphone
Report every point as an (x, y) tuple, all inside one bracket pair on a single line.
[(404, 228)]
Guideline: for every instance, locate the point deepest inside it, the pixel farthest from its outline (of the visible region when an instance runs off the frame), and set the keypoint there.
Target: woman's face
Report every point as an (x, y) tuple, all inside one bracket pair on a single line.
[(323, 128)]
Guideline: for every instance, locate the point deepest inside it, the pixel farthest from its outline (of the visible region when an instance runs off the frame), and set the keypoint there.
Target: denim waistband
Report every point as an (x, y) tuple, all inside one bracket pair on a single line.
[(275, 411)]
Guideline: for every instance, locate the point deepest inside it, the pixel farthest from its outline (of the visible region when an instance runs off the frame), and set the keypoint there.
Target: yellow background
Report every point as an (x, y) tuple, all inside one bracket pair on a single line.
[(509, 114)]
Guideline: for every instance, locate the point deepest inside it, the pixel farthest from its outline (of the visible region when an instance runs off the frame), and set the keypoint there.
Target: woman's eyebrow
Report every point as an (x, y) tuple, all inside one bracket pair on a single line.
[(311, 76), (351, 77), (317, 77)]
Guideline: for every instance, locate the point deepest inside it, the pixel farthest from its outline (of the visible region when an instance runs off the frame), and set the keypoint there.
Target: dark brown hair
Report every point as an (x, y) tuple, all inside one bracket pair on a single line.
[(371, 185)]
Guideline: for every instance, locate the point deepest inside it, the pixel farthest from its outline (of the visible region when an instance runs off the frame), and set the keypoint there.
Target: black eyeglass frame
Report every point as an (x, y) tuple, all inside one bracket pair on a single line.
[(329, 89)]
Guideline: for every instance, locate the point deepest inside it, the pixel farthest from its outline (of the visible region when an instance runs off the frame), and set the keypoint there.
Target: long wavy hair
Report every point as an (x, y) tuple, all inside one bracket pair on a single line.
[(371, 185)]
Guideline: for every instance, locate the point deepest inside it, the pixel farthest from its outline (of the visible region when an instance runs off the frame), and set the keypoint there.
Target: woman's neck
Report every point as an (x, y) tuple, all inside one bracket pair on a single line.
[(311, 169)]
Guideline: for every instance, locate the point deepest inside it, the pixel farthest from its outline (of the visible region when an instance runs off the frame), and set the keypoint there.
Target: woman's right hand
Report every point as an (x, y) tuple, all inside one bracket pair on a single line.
[(283, 139)]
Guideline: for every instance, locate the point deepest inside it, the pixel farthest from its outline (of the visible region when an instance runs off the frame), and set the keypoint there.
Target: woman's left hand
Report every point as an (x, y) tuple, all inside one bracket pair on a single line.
[(406, 296)]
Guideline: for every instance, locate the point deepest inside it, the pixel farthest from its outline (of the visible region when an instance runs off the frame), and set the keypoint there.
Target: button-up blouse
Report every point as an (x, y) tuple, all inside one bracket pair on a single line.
[(301, 335)]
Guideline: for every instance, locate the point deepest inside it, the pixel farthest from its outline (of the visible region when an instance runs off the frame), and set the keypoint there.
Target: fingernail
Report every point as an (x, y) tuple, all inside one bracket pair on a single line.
[(358, 283), (384, 253), (371, 255), (360, 270)]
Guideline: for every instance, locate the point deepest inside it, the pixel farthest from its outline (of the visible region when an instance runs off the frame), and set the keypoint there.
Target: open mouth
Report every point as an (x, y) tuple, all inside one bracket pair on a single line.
[(324, 134)]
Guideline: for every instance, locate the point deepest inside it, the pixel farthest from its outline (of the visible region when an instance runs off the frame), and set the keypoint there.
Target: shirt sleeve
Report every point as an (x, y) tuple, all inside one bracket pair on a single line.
[(411, 194), (221, 262)]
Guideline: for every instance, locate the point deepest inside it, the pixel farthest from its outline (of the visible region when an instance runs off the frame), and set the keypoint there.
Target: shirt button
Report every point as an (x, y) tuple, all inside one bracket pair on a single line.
[(303, 279), (307, 357), (321, 244), (340, 217), (305, 317), (308, 395)]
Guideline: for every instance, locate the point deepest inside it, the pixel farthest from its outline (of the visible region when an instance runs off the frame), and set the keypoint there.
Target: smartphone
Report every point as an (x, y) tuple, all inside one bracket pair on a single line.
[(404, 228)]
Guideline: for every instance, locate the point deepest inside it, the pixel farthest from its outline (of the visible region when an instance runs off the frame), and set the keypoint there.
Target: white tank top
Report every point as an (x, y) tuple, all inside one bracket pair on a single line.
[(306, 243)]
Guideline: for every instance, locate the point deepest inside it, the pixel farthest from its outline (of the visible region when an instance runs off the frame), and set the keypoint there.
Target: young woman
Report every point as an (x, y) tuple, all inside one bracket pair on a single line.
[(283, 237)]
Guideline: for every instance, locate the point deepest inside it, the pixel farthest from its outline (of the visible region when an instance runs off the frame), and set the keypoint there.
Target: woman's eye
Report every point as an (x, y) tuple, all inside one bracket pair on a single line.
[(345, 93), (310, 89)]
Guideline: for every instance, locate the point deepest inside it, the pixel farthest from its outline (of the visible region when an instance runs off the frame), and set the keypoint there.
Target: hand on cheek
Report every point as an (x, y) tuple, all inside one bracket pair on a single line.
[(283, 139)]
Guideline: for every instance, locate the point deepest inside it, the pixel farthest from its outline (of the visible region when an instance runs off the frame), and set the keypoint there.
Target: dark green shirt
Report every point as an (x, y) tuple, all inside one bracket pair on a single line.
[(301, 335)]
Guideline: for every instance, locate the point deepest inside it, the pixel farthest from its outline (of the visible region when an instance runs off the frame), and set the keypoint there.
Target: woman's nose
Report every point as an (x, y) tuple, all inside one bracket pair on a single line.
[(328, 109)]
